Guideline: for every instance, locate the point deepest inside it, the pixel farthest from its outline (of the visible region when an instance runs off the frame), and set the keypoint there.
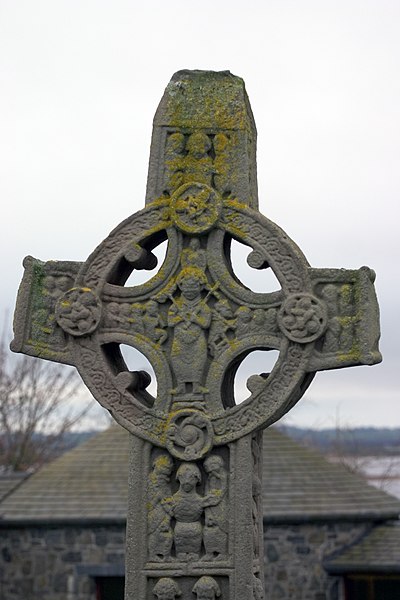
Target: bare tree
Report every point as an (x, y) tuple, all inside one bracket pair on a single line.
[(35, 409)]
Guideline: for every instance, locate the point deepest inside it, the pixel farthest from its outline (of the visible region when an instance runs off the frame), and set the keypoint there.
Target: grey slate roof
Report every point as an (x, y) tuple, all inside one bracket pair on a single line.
[(377, 552), (10, 481), (86, 483), (300, 485), (89, 484)]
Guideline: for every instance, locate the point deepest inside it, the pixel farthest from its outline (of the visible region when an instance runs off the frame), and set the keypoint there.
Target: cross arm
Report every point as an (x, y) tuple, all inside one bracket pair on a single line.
[(352, 330), (36, 331)]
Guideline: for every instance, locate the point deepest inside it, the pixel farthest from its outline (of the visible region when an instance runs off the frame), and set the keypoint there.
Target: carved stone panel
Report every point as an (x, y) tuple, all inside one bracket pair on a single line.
[(188, 509)]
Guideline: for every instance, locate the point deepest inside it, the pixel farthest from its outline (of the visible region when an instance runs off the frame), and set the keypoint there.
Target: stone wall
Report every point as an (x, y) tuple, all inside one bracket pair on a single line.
[(60, 563), (50, 564), (294, 556)]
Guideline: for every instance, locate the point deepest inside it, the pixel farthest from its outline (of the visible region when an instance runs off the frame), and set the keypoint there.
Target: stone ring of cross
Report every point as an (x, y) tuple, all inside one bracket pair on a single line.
[(194, 321)]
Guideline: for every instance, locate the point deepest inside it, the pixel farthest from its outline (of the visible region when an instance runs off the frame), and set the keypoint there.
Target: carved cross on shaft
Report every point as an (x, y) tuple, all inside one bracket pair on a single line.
[(195, 520)]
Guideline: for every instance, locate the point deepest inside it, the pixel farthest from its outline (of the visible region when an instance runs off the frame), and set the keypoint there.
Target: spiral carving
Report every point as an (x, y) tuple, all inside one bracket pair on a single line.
[(189, 435)]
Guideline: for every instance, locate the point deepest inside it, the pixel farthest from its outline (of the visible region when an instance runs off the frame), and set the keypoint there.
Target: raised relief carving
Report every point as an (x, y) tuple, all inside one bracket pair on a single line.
[(348, 319), (198, 162), (135, 318), (330, 294), (166, 589), (193, 255), (78, 311), (153, 323), (199, 157), (222, 324), (192, 523), (215, 532), (222, 163), (189, 316), (256, 494), (44, 324), (302, 318), (189, 435), (243, 320), (258, 588), (195, 207), (187, 159), (123, 316), (341, 330), (187, 507), (174, 161), (206, 588), (160, 534)]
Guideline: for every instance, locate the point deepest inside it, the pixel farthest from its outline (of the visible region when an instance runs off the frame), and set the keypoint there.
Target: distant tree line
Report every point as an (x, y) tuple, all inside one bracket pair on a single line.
[(359, 441)]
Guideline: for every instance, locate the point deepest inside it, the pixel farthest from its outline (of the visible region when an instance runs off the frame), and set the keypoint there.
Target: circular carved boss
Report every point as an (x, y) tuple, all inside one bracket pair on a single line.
[(78, 311), (303, 318), (281, 388)]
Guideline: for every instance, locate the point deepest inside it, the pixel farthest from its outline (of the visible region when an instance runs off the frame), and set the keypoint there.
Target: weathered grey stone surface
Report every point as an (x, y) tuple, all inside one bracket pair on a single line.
[(194, 522)]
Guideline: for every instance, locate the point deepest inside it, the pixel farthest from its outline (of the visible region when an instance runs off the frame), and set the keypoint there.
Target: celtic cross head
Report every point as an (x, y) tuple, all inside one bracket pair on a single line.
[(194, 320)]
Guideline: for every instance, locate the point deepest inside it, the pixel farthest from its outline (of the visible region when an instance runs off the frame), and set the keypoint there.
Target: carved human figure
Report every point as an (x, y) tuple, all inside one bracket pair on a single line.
[(117, 315), (153, 323), (55, 287), (256, 494), (187, 507), (258, 321), (43, 322), (258, 588), (174, 161), (222, 151), (193, 255), (112, 317), (166, 589), (198, 163), (136, 318), (160, 536), (330, 294), (222, 322), (271, 323), (206, 588), (243, 320), (189, 316), (215, 533), (125, 315), (347, 318)]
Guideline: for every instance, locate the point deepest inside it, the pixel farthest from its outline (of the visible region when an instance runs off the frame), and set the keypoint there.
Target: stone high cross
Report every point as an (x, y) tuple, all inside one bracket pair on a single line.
[(195, 518)]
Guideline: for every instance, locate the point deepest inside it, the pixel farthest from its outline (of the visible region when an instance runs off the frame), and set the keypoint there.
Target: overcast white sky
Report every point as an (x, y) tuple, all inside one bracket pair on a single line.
[(79, 84)]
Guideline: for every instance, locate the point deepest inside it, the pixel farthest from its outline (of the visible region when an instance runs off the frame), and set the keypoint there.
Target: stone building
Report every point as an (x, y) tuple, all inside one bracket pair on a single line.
[(327, 534)]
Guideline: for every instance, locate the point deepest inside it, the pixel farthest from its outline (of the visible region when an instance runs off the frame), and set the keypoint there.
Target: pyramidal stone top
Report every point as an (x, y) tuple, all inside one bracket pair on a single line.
[(211, 99), (214, 105)]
